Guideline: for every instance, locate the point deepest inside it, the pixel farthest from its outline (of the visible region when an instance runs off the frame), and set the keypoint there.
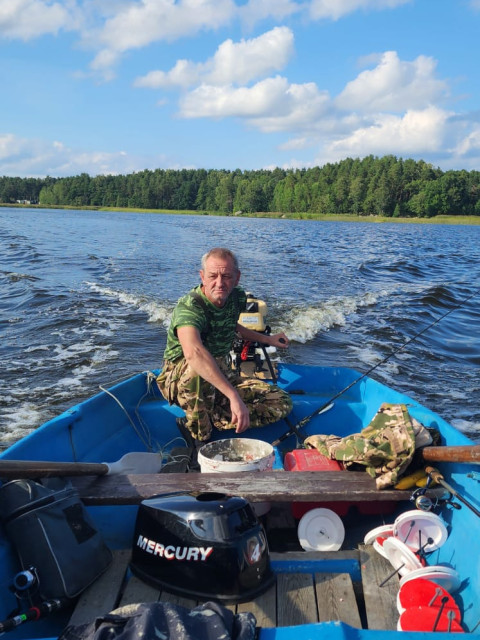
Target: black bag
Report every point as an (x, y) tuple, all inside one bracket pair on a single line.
[(208, 621), (53, 534)]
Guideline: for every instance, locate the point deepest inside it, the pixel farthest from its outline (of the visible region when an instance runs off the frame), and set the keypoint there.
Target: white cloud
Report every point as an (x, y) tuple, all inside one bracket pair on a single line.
[(208, 101), (137, 25), (184, 74), (386, 110), (39, 158), (394, 85), (416, 132), (7, 145), (28, 19), (335, 9), (236, 63), (241, 62), (256, 10), (270, 105), (470, 144), (296, 144), (104, 59), (113, 27), (300, 107)]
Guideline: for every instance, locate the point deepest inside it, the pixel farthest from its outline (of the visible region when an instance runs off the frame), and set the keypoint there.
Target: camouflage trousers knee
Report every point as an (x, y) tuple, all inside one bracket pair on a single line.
[(205, 407)]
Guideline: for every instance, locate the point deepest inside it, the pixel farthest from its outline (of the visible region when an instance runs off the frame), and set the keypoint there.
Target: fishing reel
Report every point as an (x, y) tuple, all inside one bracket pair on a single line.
[(425, 503)]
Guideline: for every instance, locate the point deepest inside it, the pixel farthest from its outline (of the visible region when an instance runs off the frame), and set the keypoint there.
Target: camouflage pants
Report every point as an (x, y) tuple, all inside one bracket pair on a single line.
[(205, 407)]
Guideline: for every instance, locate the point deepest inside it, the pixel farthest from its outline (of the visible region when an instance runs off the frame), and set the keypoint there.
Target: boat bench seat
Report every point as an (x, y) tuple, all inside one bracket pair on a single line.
[(276, 486), (295, 598)]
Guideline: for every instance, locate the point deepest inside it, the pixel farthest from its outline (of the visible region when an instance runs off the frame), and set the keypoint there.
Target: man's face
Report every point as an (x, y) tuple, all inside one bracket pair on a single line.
[(219, 279)]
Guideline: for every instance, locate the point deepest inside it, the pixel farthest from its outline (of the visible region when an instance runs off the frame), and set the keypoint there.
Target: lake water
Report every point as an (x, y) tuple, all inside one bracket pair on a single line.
[(86, 299)]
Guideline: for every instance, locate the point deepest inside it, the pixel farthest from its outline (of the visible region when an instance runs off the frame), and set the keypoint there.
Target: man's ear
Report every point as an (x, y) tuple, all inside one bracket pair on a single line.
[(239, 273)]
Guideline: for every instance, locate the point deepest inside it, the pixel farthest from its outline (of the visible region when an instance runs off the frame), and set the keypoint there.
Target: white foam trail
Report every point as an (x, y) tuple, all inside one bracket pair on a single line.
[(21, 421), (15, 277), (155, 312), (304, 324), (370, 357), (466, 426), (40, 347)]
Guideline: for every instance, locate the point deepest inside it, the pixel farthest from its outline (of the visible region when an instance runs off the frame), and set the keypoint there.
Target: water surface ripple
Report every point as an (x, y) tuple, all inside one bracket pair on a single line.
[(86, 297)]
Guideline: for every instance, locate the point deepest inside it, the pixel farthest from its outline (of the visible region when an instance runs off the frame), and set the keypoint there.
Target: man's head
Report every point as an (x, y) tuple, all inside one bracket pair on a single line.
[(219, 275)]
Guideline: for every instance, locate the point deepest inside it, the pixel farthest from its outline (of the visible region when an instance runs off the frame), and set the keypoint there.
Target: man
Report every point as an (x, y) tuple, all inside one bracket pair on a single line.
[(196, 372)]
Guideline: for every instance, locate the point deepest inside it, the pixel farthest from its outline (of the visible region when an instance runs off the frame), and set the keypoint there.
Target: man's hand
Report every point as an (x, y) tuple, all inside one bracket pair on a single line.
[(240, 414), (279, 340)]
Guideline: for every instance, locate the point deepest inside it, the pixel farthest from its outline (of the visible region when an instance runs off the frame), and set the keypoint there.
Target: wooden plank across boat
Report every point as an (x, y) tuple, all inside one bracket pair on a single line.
[(277, 486)]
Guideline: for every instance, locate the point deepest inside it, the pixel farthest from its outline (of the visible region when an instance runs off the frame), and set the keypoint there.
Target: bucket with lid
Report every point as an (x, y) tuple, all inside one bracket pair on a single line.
[(234, 455)]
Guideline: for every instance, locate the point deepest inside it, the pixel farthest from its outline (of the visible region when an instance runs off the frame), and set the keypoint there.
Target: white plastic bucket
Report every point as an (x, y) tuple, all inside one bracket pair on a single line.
[(238, 454)]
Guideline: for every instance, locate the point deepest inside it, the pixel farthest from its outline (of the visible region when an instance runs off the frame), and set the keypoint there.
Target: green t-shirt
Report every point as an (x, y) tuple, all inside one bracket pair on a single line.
[(216, 326)]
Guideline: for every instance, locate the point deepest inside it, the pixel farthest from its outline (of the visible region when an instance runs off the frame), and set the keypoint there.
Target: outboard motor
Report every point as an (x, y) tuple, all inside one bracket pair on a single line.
[(207, 546), (254, 318)]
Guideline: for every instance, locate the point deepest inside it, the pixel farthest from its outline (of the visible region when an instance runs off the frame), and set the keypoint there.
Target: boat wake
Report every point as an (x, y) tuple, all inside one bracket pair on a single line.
[(303, 324), (155, 311)]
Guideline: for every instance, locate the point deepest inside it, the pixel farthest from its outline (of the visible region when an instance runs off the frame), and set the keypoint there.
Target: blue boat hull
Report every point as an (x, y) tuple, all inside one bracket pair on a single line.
[(132, 416)]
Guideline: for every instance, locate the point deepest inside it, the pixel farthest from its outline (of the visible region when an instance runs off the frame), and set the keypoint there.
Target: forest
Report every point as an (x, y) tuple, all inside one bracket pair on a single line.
[(386, 186)]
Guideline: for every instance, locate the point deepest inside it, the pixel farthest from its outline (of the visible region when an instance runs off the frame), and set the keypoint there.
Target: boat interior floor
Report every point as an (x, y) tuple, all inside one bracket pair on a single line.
[(294, 598)]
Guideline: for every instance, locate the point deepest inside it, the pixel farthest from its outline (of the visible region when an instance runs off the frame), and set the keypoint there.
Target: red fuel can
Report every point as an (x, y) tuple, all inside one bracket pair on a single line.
[(313, 460)]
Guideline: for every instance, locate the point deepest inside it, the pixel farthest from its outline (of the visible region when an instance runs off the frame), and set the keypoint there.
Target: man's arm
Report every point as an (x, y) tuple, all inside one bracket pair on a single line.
[(203, 363)]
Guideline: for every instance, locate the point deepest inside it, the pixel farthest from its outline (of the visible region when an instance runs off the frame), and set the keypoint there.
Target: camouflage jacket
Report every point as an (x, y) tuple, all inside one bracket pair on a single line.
[(216, 325), (385, 447)]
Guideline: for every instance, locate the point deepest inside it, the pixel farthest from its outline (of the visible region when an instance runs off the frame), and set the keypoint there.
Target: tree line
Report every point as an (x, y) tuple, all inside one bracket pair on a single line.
[(386, 186)]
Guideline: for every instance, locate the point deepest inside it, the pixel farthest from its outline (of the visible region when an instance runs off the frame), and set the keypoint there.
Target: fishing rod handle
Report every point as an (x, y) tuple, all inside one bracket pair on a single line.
[(434, 474)]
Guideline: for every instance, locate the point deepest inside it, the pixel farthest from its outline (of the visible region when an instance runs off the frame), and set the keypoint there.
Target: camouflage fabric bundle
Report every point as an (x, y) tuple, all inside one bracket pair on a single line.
[(385, 447)]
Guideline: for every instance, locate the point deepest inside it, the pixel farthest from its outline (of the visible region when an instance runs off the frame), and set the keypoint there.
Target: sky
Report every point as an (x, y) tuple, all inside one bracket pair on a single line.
[(119, 86)]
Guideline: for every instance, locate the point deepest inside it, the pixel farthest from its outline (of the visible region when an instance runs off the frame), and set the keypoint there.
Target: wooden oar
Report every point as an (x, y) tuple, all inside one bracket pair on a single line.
[(461, 453), (129, 464), (437, 476)]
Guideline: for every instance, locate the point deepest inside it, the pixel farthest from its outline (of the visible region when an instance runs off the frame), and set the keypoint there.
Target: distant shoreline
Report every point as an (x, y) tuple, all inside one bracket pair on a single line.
[(344, 217)]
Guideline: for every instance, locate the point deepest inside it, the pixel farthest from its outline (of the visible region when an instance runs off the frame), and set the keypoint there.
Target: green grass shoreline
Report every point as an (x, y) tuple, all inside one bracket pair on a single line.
[(344, 217)]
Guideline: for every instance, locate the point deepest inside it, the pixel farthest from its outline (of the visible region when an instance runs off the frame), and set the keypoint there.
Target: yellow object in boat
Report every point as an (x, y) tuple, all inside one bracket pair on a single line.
[(411, 480)]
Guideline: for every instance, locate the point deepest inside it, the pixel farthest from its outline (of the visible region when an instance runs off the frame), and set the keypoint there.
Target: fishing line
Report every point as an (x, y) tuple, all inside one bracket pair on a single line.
[(307, 419), (146, 437)]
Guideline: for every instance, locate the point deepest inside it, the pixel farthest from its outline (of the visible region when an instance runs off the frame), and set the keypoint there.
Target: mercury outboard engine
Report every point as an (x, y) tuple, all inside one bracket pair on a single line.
[(207, 546)]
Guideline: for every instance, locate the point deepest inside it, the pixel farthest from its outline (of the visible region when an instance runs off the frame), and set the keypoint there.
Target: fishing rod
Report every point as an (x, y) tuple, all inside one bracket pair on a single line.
[(437, 476), (34, 613), (327, 404), (293, 428)]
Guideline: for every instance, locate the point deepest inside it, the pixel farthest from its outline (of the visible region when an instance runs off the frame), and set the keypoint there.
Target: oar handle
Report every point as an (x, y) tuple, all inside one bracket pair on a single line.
[(462, 453), (46, 469)]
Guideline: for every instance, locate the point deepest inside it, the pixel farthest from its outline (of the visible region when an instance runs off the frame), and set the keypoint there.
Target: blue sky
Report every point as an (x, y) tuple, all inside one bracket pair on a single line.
[(117, 86)]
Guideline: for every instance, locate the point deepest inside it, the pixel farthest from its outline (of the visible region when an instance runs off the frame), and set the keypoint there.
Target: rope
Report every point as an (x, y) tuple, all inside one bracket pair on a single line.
[(143, 433)]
